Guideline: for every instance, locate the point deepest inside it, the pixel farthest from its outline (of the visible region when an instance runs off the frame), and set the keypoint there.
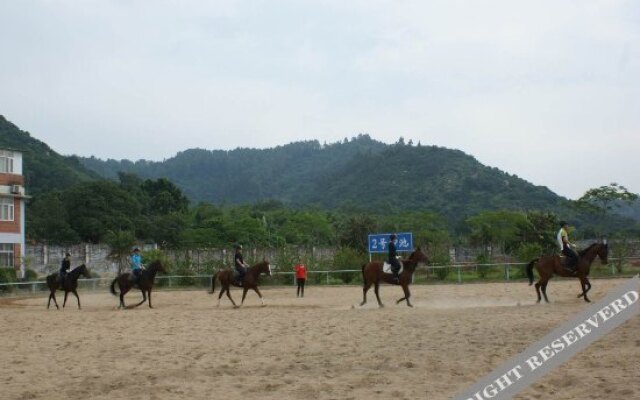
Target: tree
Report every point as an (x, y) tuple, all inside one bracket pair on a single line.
[(120, 243), (604, 198), (501, 228)]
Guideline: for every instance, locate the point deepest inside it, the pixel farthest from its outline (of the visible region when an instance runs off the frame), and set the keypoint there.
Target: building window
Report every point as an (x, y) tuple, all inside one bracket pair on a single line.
[(6, 255), (6, 161), (6, 209)]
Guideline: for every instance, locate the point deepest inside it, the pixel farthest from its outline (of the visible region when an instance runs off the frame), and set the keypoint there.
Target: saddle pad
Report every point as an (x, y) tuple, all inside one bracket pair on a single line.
[(386, 268)]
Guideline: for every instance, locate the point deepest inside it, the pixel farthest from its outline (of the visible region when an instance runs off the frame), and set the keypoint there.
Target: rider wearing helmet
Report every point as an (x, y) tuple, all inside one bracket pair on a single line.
[(239, 264), (565, 247), (393, 257), (64, 267)]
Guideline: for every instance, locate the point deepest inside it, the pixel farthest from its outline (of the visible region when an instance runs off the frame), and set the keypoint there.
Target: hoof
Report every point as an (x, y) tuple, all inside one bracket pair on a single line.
[(410, 305)]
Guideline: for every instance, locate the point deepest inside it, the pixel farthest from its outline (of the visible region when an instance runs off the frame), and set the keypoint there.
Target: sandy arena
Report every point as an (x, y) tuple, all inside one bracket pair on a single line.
[(319, 347)]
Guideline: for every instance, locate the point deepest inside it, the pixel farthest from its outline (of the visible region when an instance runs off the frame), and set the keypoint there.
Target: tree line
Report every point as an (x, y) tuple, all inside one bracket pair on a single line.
[(155, 210)]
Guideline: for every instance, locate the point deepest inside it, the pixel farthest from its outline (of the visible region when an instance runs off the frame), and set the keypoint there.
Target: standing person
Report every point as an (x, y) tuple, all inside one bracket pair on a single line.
[(65, 267), (393, 258), (239, 264), (565, 247), (136, 265), (301, 276)]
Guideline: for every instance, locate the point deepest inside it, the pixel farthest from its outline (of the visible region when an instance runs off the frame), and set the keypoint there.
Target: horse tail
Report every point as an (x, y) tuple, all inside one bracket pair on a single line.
[(364, 280), (113, 287), (213, 282), (529, 270)]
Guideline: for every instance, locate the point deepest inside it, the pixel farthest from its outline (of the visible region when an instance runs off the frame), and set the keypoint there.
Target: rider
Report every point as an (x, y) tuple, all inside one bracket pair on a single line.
[(239, 264), (136, 265), (64, 267), (565, 247), (393, 257)]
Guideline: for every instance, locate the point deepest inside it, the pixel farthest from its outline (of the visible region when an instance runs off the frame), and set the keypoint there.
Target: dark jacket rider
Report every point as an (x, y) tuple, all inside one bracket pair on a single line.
[(393, 257)]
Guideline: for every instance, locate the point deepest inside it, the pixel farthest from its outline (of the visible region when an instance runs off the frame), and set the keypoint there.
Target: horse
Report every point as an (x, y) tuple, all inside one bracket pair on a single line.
[(70, 284), (372, 274), (551, 265), (145, 283), (225, 277)]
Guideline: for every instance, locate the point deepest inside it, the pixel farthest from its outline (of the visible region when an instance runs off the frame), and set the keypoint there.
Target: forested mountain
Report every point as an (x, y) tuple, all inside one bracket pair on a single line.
[(44, 169), (360, 173)]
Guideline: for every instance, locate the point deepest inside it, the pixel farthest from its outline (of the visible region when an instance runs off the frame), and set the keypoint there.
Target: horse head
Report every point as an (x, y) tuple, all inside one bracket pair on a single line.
[(264, 267), (83, 270), (418, 256), (603, 252), (157, 266)]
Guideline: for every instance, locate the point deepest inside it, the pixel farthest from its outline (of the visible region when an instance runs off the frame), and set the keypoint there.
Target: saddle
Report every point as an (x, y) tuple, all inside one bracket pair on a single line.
[(386, 268), (236, 277)]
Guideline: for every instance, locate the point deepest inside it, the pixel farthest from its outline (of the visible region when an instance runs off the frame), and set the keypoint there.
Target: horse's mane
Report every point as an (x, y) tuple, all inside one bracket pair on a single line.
[(79, 267), (585, 251), (155, 264)]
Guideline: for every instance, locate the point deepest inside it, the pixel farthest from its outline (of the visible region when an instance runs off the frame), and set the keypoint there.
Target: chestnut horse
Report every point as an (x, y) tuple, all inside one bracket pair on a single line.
[(145, 283), (372, 275), (250, 281), (70, 284), (551, 265)]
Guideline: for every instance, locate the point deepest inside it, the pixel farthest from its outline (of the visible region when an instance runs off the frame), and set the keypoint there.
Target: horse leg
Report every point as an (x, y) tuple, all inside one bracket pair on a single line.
[(77, 297), (53, 296), (259, 295), (144, 298), (64, 303), (229, 296), (407, 294), (588, 284), (365, 289), (544, 291), (220, 296), (150, 306), (244, 294), (376, 288), (538, 291), (583, 284)]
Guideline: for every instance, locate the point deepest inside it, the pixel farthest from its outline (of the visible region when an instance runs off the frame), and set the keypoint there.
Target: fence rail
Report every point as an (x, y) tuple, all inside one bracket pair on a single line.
[(454, 273)]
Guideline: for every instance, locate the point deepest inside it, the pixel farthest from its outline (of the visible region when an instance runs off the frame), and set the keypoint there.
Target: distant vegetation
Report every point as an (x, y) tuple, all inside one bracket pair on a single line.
[(304, 193)]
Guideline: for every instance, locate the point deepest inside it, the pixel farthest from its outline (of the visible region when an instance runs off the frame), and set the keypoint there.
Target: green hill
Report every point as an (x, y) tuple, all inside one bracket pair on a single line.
[(44, 169), (359, 173)]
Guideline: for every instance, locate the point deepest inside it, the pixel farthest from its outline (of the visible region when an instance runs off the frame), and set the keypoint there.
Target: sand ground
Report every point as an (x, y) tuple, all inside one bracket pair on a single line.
[(319, 347)]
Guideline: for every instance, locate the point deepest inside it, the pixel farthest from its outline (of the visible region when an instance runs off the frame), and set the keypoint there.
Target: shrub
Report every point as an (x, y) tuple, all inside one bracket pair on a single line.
[(441, 273), (7, 275), (30, 275)]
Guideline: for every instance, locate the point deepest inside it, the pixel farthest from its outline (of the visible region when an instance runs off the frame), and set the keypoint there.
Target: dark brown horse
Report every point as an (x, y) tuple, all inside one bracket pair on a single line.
[(145, 284), (372, 274), (70, 284), (551, 265), (250, 281)]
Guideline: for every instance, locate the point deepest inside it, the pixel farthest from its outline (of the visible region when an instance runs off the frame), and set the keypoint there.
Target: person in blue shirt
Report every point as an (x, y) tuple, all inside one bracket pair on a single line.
[(393, 257), (136, 264)]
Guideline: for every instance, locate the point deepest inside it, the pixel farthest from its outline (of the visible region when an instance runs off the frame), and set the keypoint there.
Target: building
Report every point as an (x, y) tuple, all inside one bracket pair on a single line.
[(12, 211)]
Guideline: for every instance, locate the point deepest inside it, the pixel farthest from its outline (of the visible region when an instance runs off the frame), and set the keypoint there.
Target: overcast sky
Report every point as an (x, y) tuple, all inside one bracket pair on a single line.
[(546, 90)]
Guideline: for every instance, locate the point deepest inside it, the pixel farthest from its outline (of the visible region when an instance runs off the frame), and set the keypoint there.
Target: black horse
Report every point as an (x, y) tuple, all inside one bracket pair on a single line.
[(145, 283), (70, 284)]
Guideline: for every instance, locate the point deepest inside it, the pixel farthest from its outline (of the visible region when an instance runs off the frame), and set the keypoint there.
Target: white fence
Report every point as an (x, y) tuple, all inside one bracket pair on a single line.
[(456, 273)]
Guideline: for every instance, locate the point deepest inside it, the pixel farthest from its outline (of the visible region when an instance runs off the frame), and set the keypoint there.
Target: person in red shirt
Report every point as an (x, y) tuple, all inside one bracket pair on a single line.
[(301, 276)]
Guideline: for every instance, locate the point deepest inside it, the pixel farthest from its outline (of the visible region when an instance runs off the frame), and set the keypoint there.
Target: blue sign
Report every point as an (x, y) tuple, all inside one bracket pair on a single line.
[(379, 242)]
